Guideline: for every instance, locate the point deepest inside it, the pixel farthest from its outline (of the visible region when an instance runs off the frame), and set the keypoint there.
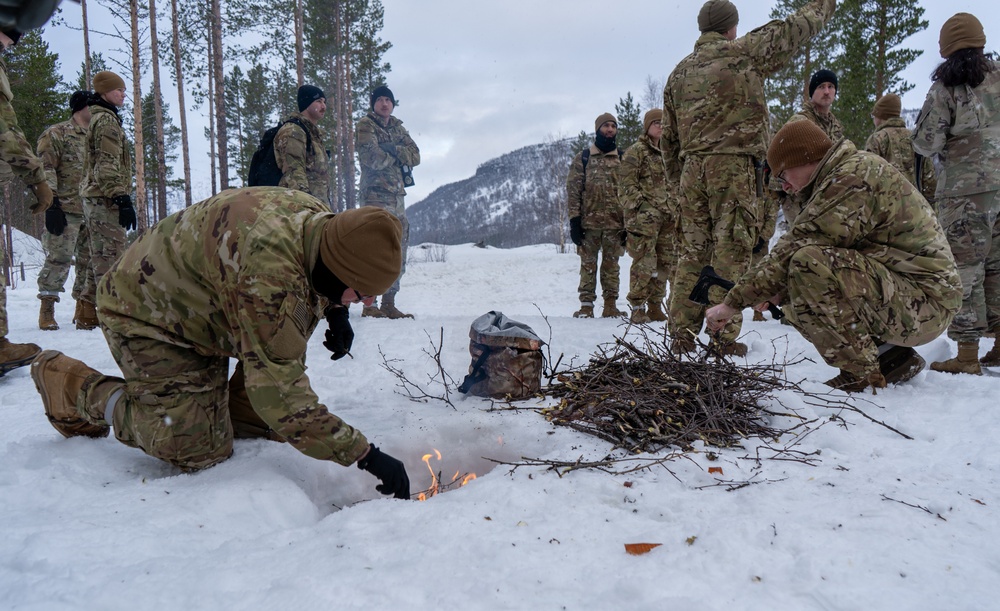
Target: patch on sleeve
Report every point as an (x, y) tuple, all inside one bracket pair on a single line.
[(289, 339)]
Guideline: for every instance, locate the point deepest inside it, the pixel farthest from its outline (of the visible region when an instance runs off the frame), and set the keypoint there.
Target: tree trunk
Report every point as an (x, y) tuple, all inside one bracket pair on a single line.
[(338, 201), (140, 183), (220, 98), (211, 113), (300, 65), (178, 66), (86, 45), (161, 156), (351, 199)]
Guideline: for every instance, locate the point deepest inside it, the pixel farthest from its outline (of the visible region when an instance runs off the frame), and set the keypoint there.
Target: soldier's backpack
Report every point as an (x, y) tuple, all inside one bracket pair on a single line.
[(264, 170), (507, 359)]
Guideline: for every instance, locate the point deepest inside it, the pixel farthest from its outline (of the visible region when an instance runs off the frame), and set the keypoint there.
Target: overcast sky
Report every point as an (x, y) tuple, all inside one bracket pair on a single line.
[(477, 79)]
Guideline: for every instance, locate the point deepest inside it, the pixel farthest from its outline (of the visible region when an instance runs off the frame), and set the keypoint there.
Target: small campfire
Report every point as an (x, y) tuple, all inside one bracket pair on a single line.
[(438, 484)]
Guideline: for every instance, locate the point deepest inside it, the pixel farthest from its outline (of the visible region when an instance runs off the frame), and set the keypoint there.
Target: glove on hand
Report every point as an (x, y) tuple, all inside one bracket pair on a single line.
[(126, 213), (576, 232), (388, 147), (389, 470), (43, 195), (55, 218), (340, 335)]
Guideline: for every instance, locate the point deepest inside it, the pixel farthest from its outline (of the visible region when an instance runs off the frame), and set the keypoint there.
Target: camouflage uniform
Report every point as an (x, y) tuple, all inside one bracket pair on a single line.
[(829, 123), (866, 262), (962, 125), (229, 277), (594, 198), (61, 149), (107, 174), (893, 142), (790, 204), (649, 206), (715, 123), (15, 152), (381, 176), (301, 169)]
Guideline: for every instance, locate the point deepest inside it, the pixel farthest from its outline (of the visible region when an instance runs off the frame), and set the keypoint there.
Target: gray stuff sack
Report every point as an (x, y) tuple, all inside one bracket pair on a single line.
[(507, 360)]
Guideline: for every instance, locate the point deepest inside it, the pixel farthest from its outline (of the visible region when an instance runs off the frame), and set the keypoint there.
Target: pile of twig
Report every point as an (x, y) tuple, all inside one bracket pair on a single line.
[(647, 399)]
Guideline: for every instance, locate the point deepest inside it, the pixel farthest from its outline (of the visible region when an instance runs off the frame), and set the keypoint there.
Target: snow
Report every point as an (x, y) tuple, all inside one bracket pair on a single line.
[(879, 522)]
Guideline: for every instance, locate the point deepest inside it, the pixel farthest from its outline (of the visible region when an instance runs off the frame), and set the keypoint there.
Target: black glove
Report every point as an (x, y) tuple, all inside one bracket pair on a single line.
[(389, 470), (388, 147), (576, 232), (340, 335), (126, 213), (55, 218)]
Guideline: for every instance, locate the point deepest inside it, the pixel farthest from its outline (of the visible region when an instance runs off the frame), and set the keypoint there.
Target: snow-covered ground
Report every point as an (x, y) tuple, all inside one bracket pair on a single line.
[(881, 522)]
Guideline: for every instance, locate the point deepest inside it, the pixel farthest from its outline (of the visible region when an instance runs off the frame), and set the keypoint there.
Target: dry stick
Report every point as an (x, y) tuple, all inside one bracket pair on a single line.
[(920, 507), (411, 390)]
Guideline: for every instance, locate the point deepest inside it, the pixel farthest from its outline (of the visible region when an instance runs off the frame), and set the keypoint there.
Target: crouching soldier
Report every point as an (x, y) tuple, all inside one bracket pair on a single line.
[(865, 268), (246, 275)]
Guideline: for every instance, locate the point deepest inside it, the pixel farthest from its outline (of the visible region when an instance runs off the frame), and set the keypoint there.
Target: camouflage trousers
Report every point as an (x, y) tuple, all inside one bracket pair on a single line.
[(107, 242), (3, 291), (652, 244), (399, 211), (973, 229), (608, 244), (60, 251), (719, 227), (847, 304)]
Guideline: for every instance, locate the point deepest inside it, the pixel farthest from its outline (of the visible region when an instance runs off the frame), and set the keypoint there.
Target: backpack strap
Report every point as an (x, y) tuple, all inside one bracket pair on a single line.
[(299, 122), (478, 374)]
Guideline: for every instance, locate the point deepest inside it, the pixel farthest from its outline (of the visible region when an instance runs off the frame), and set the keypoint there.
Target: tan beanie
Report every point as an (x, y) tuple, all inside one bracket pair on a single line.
[(797, 143), (362, 248), (888, 106), (106, 81), (601, 120), (655, 114), (718, 16), (961, 31)]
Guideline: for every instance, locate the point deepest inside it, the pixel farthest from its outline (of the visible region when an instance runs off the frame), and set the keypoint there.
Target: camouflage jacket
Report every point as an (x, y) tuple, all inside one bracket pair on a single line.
[(301, 169), (60, 147), (14, 148), (381, 176), (714, 101), (830, 124), (857, 201), (893, 142), (595, 197), (643, 180), (962, 124), (107, 162), (231, 277)]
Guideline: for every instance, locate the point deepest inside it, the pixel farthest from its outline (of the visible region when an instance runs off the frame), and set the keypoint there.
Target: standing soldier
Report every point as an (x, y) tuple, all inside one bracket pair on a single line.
[(60, 147), (822, 94), (298, 146), (650, 209), (960, 121), (387, 155), (597, 226), (15, 151), (893, 141), (715, 125), (107, 183)]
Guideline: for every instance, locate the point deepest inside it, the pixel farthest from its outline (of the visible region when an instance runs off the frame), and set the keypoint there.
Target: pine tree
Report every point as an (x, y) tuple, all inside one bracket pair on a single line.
[(171, 139), (629, 121), (39, 92)]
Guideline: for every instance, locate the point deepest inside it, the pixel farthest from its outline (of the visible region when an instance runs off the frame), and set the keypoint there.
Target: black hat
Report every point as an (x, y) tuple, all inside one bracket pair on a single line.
[(380, 91), (309, 94), (822, 76), (79, 100)]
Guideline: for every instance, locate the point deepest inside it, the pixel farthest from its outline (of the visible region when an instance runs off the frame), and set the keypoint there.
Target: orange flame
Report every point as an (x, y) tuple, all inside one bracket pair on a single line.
[(436, 486)]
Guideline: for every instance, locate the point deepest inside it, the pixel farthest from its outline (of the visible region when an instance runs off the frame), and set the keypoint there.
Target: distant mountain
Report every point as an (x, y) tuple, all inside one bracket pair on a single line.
[(513, 200)]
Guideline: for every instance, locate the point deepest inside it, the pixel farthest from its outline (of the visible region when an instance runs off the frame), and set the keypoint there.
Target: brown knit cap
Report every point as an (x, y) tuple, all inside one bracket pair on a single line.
[(961, 31), (718, 16), (601, 120), (362, 247), (797, 143), (888, 106), (106, 81), (655, 114)]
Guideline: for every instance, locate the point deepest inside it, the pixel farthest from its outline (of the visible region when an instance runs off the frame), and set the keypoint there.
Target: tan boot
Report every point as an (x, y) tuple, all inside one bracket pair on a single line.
[(390, 310), (59, 379), (88, 317), (900, 364), (585, 311), (47, 314), (730, 348), (758, 317), (78, 312), (852, 383), (655, 312), (639, 316), (992, 358), (611, 309), (682, 344), (967, 360), (373, 312), (13, 355)]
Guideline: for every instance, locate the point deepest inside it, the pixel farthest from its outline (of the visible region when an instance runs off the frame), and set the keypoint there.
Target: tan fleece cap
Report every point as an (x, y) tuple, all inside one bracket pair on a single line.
[(961, 31), (362, 247), (106, 81), (601, 120), (888, 106), (797, 143), (718, 16), (654, 114)]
